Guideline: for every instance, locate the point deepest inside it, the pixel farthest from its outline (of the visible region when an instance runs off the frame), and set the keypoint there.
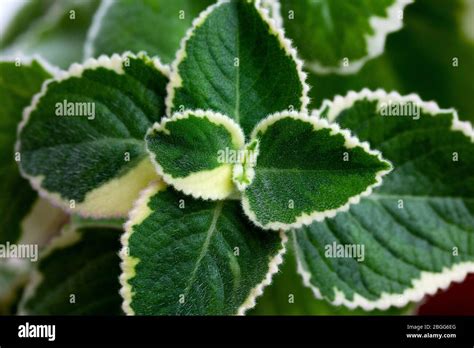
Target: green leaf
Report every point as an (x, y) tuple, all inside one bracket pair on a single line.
[(417, 229), (82, 139), (189, 152), (416, 52), (236, 61), (339, 36), (77, 275), (308, 170), (26, 14), (55, 29), (154, 26), (288, 296), (183, 256), (17, 85)]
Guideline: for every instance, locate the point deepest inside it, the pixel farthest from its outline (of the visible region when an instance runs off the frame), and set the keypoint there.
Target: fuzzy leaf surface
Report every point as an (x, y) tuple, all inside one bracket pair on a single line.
[(82, 143)]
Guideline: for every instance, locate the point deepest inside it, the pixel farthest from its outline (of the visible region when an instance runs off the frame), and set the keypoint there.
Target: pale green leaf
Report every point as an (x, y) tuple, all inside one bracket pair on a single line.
[(415, 233), (183, 256), (55, 29), (154, 26), (307, 170), (189, 152)]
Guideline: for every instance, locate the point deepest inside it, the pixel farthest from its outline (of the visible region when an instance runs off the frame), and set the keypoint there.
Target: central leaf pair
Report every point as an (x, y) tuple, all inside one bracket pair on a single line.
[(295, 169)]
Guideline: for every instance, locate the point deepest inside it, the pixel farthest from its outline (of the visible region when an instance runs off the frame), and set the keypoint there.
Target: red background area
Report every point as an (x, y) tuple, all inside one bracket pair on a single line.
[(458, 299)]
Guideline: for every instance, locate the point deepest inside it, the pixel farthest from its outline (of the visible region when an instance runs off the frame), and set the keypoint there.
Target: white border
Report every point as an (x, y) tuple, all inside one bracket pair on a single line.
[(95, 27), (114, 63), (428, 282), (350, 142), (138, 214), (28, 61), (375, 43), (274, 8), (179, 183), (340, 103), (176, 80)]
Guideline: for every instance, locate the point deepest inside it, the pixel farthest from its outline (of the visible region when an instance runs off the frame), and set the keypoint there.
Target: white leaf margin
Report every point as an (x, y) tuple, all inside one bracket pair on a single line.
[(350, 142), (208, 180), (128, 263), (275, 29), (95, 27), (29, 59), (429, 282), (138, 214), (339, 103), (114, 63), (274, 10), (375, 43)]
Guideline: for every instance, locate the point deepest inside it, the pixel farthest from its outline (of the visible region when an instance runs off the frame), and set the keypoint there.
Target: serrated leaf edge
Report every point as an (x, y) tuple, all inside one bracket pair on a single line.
[(274, 10)]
